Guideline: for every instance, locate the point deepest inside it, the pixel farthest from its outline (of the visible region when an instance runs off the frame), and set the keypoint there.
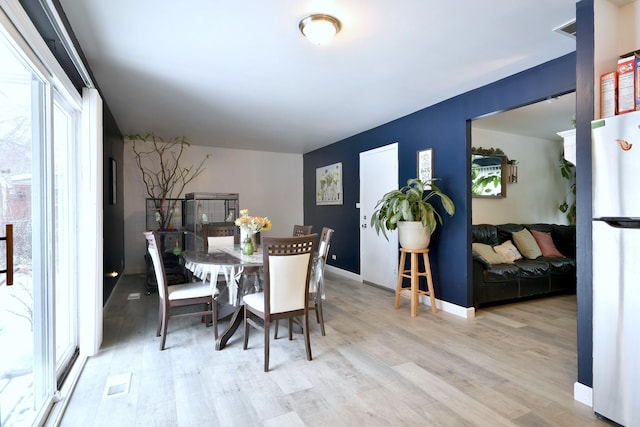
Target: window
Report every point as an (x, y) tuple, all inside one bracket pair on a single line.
[(39, 313)]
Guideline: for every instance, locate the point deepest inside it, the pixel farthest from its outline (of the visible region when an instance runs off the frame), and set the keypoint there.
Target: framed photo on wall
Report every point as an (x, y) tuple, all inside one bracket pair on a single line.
[(425, 165), (329, 185)]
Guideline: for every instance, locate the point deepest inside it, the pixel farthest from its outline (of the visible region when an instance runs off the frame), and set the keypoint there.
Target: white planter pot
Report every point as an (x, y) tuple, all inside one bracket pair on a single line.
[(412, 235)]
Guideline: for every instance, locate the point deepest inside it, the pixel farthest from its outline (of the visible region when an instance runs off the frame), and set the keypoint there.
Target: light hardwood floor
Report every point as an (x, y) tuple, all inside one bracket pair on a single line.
[(512, 365)]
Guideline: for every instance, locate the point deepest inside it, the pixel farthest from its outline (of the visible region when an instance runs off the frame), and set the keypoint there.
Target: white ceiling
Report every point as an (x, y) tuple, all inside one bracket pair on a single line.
[(542, 119), (239, 74)]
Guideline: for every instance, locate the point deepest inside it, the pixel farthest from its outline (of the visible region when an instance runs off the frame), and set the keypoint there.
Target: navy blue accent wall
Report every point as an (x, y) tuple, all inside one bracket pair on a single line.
[(113, 215), (444, 128), (584, 114)]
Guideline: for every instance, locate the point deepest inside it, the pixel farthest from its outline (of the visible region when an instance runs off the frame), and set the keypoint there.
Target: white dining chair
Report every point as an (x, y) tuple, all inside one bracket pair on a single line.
[(179, 295), (317, 279), (287, 268), (214, 242)]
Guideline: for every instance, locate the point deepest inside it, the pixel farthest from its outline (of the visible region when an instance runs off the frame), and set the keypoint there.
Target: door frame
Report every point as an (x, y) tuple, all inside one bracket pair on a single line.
[(370, 195)]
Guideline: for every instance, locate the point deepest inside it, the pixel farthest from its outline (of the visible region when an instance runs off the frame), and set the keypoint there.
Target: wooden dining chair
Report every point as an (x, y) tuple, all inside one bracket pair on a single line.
[(209, 231), (317, 271), (316, 297), (287, 268), (301, 230), (211, 243), (184, 294)]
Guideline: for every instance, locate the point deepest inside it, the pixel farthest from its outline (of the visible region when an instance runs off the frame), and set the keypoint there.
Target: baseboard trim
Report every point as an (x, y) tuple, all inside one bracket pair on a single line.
[(583, 394), (447, 307), (343, 273)]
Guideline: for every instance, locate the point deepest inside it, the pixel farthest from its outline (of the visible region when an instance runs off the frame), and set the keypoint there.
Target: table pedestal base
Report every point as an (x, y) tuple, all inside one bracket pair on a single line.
[(236, 320)]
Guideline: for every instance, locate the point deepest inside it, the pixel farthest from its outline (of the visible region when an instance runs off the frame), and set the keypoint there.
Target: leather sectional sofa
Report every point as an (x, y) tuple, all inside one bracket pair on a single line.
[(545, 275)]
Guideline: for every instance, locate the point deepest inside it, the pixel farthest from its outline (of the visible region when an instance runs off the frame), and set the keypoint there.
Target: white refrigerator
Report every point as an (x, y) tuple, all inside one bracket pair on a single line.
[(616, 268)]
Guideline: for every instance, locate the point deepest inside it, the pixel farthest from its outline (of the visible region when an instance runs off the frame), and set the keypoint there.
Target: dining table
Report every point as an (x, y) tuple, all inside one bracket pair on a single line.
[(241, 275)]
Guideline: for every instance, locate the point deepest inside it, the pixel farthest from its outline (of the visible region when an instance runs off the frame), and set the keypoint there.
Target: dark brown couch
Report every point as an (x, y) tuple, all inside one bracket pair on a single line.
[(494, 283)]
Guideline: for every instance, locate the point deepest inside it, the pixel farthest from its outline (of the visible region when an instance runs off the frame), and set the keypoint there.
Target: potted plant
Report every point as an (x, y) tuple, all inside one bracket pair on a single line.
[(409, 210)]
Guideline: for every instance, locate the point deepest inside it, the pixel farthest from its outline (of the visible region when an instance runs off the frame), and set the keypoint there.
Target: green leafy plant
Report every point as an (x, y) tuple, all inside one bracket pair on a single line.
[(410, 203), (568, 207)]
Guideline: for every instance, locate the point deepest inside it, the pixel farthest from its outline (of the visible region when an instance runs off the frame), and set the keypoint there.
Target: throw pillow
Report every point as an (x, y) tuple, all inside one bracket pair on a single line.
[(487, 252), (526, 244), (508, 250), (545, 242)]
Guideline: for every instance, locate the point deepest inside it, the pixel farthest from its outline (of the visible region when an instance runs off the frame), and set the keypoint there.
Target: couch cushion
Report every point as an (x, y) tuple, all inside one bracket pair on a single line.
[(526, 244), (545, 243), (564, 237), (508, 250), (532, 268), (484, 233), (501, 273), (560, 265), (505, 231), (487, 252)]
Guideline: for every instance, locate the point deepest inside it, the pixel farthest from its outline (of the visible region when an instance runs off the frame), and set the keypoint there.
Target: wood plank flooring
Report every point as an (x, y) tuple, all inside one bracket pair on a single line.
[(512, 365)]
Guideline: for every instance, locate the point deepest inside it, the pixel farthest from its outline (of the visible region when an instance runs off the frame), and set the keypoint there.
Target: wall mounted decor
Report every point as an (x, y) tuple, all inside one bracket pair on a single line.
[(329, 185), (425, 166)]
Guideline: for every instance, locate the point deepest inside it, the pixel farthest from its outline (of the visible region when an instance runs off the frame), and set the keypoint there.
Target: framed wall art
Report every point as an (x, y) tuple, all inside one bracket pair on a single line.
[(329, 185), (425, 165)]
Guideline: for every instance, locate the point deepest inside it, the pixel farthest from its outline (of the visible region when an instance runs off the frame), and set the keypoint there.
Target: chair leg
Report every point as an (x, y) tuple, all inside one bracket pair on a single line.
[(163, 333), (159, 318), (319, 314), (246, 328), (275, 330), (307, 342), (290, 328), (266, 345)]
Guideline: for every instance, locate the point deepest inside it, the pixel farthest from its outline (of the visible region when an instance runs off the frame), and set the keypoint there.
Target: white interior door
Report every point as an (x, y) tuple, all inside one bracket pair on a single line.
[(378, 175)]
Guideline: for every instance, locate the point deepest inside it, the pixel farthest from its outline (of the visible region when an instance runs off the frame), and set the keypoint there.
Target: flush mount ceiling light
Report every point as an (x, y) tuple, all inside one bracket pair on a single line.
[(319, 28)]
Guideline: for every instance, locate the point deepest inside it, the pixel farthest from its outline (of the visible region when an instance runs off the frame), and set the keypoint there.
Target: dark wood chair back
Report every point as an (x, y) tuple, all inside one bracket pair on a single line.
[(301, 230)]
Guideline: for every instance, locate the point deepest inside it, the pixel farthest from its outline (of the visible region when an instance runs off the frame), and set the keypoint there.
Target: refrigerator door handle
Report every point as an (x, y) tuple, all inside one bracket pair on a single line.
[(620, 222)]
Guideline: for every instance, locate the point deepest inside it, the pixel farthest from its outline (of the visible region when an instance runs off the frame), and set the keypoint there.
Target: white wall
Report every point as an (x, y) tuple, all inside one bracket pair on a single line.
[(269, 184), (540, 188)]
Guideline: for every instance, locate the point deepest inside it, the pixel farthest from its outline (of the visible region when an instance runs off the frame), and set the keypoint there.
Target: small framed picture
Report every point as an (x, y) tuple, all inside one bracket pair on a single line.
[(425, 165)]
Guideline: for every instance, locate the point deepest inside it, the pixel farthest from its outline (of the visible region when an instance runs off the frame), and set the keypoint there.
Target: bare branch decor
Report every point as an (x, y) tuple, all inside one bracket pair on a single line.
[(163, 174)]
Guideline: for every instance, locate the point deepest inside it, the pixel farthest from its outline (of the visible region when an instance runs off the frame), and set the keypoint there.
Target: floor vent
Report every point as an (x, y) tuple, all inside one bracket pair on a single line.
[(568, 29), (117, 385), (133, 295)]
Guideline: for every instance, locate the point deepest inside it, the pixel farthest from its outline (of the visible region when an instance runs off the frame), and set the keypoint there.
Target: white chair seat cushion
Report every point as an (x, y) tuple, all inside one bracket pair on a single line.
[(189, 290), (255, 301)]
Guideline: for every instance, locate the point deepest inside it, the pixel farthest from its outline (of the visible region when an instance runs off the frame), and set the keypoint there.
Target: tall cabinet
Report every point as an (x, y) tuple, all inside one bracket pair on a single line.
[(209, 210)]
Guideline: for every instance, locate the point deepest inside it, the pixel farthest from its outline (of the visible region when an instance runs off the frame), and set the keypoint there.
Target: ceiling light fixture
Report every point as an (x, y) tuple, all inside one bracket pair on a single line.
[(319, 28)]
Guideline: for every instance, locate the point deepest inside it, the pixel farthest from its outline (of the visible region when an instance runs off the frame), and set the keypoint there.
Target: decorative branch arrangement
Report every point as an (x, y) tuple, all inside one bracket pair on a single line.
[(163, 174)]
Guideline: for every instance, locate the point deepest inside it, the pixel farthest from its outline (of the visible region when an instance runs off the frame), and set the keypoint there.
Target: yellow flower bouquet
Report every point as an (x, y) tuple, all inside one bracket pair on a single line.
[(252, 224)]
